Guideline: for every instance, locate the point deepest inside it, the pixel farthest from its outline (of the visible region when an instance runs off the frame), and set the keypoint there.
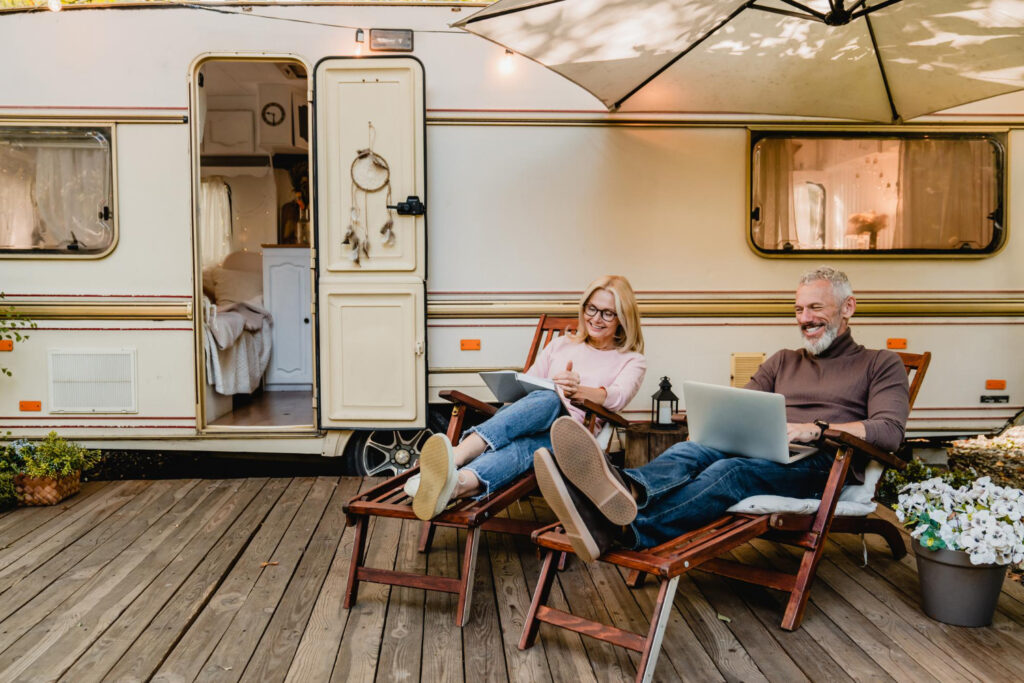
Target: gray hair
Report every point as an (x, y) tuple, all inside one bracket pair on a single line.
[(841, 288)]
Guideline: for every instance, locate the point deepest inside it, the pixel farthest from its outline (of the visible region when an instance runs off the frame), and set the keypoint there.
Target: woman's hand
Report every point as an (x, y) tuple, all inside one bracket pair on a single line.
[(568, 380)]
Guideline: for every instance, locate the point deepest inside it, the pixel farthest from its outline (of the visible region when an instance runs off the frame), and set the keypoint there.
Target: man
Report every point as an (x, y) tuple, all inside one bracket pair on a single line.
[(832, 382)]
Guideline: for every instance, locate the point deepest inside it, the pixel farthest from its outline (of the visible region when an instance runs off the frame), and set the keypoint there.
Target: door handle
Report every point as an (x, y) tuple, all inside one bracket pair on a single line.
[(412, 206)]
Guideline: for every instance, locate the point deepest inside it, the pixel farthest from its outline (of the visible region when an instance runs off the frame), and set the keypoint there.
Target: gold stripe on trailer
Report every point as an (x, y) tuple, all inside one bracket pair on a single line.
[(106, 311)]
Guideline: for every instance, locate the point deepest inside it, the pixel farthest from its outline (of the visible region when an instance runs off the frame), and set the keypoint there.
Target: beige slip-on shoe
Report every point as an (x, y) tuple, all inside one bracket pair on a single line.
[(583, 463), (438, 477)]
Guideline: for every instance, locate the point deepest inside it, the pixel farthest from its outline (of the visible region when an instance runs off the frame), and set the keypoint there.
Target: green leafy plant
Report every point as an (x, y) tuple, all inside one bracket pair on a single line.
[(8, 498), (916, 471), (52, 457), (12, 325)]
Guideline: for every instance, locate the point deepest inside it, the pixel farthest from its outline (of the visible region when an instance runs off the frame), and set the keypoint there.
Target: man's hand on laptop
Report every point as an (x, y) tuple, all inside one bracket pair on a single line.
[(802, 432)]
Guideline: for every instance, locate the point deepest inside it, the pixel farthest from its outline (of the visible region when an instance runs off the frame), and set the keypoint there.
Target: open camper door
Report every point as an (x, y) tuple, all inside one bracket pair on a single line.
[(369, 139)]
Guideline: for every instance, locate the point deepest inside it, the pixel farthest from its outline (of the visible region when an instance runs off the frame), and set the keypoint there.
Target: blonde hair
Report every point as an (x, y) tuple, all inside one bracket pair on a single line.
[(628, 336)]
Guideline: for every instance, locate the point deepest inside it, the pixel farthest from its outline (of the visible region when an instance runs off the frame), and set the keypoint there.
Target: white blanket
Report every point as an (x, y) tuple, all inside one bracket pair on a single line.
[(236, 348)]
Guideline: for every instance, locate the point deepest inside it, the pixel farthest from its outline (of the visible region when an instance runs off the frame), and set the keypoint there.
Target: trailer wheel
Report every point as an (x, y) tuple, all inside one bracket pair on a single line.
[(384, 453)]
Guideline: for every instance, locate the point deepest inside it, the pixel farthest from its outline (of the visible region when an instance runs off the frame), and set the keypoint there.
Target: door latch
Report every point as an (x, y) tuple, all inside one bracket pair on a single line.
[(419, 348), (412, 206)]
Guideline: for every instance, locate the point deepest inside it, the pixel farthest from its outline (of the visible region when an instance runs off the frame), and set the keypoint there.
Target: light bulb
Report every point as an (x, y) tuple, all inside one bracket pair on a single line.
[(54, 5)]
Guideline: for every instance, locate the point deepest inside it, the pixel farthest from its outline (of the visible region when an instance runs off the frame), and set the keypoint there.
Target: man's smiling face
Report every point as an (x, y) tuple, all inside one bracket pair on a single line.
[(821, 318)]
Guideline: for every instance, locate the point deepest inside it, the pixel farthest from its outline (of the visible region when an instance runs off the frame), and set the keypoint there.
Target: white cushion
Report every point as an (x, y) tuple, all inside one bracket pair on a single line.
[(854, 501)]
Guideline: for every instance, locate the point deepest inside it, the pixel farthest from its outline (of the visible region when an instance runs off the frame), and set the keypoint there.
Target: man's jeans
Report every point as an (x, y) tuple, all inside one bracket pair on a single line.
[(512, 435), (690, 485)]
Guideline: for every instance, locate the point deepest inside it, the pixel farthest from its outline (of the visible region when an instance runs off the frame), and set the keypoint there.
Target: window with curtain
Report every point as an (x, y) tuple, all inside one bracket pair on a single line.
[(56, 190), (872, 194)]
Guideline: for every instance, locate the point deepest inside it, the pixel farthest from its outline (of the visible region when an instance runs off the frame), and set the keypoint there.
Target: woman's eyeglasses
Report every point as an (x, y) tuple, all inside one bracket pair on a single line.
[(591, 310)]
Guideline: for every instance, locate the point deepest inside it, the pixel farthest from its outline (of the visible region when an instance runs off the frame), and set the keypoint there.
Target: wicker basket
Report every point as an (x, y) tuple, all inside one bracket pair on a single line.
[(45, 490)]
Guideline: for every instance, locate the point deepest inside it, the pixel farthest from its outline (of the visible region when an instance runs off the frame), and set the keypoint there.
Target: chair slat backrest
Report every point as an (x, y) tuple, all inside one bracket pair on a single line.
[(548, 328), (916, 365)]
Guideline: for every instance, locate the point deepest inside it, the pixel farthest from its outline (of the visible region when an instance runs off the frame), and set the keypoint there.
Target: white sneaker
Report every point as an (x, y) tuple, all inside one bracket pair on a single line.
[(438, 477), (412, 485)]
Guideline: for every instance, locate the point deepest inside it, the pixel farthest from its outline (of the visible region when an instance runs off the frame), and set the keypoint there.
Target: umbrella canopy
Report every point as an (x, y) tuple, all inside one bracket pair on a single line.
[(875, 60)]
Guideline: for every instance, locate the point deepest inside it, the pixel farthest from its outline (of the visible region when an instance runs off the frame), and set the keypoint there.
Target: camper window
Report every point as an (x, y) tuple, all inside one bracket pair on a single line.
[(56, 189), (873, 194)]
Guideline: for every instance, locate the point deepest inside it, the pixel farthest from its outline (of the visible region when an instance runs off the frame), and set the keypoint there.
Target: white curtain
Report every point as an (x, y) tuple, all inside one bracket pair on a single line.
[(773, 193), (17, 212), (71, 191), (948, 188), (214, 222)]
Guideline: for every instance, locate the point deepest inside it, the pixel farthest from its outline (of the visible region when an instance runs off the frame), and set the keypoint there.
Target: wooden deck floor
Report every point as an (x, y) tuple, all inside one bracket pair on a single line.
[(225, 580)]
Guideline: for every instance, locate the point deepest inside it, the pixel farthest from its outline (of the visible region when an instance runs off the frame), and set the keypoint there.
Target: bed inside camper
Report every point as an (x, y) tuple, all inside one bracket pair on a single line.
[(253, 243)]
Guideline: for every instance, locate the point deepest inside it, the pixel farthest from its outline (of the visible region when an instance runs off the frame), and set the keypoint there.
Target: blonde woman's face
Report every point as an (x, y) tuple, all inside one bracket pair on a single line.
[(599, 306)]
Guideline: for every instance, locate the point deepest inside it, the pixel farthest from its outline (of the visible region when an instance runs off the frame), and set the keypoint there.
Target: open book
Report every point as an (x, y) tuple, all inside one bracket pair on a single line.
[(509, 385)]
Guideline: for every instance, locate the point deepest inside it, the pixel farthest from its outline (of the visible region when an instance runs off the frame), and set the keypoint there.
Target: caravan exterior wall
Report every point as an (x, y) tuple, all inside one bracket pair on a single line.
[(533, 191)]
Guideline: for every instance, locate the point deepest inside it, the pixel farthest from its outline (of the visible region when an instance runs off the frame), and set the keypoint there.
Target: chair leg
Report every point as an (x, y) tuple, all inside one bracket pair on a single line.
[(426, 536), (563, 560), (635, 578), (659, 620), (468, 572), (540, 597), (889, 532), (352, 587), (802, 589)]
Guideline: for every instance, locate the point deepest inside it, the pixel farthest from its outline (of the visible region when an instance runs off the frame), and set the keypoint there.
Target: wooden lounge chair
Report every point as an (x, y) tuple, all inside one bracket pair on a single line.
[(702, 547), (389, 499)]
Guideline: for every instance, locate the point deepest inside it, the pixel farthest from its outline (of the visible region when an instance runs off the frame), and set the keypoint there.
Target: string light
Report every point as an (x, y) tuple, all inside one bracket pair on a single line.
[(507, 66), (54, 5), (360, 39)]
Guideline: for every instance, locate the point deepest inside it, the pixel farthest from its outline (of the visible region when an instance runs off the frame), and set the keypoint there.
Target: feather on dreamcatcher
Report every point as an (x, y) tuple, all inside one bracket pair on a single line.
[(370, 174)]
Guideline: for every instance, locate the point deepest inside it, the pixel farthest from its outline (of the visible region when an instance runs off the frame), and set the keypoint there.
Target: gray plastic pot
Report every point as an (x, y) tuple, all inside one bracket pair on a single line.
[(953, 590)]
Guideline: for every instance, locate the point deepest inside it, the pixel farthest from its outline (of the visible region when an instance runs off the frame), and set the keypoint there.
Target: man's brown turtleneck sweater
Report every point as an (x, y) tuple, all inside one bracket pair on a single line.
[(845, 383)]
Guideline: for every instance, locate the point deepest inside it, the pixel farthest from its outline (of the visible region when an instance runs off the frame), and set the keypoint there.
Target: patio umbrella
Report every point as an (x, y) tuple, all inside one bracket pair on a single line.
[(875, 60)]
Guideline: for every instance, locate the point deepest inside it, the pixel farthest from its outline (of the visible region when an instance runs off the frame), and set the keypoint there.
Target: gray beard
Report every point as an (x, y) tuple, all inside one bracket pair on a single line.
[(816, 348)]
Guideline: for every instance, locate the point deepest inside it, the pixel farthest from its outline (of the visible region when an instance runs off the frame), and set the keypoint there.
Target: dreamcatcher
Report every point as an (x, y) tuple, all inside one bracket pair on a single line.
[(370, 173)]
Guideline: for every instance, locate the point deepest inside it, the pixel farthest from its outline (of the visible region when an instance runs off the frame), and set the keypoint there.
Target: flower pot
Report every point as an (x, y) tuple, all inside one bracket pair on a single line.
[(953, 590), (45, 490)]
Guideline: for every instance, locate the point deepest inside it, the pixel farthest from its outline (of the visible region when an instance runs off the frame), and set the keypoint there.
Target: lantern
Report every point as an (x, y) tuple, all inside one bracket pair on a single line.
[(663, 404)]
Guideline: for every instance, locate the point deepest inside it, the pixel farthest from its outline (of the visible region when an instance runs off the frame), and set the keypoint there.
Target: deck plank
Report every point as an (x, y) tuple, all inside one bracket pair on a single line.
[(32, 550), (819, 647), (168, 586), (318, 647), (442, 653), (357, 657), (190, 653), (402, 639), (999, 653), (483, 654), (148, 650), (109, 647), (871, 623), (92, 607), (90, 552), (230, 658), (18, 523), (274, 654), (513, 602)]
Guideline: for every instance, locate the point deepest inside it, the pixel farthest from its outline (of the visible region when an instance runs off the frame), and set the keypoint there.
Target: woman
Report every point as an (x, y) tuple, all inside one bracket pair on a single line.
[(602, 362)]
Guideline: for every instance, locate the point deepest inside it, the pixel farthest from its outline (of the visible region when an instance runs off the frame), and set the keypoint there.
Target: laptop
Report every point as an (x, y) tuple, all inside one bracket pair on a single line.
[(741, 422)]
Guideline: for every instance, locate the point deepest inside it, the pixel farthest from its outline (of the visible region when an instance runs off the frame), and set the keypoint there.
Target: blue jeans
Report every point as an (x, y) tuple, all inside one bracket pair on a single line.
[(512, 435), (690, 485)]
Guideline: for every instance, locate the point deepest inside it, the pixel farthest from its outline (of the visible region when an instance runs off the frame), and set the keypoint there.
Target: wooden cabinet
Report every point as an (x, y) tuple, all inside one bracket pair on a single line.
[(286, 294)]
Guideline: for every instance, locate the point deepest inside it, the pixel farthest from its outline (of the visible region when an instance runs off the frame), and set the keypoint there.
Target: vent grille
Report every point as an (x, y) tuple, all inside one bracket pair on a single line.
[(743, 367), (92, 381)]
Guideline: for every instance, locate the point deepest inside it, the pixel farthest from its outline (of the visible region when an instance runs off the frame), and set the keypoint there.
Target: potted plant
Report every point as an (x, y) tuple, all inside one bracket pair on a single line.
[(46, 472), (966, 538)]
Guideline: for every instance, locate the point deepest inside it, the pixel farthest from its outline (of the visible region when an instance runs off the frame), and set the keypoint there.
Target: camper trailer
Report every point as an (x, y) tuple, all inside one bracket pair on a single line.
[(285, 227)]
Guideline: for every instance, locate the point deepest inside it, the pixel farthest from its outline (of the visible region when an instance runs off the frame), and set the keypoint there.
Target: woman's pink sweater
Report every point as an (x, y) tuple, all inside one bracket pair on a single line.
[(620, 372)]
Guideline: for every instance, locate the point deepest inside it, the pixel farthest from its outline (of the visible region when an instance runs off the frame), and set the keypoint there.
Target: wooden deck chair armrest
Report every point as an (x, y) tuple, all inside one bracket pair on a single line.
[(537, 533), (602, 412), (460, 398), (839, 439)]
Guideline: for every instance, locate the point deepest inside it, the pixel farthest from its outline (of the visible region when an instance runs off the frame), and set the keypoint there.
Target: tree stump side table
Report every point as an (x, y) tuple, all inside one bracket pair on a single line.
[(645, 442)]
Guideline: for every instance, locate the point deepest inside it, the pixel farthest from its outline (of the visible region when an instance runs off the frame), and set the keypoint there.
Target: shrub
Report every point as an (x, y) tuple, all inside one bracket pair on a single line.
[(51, 457)]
